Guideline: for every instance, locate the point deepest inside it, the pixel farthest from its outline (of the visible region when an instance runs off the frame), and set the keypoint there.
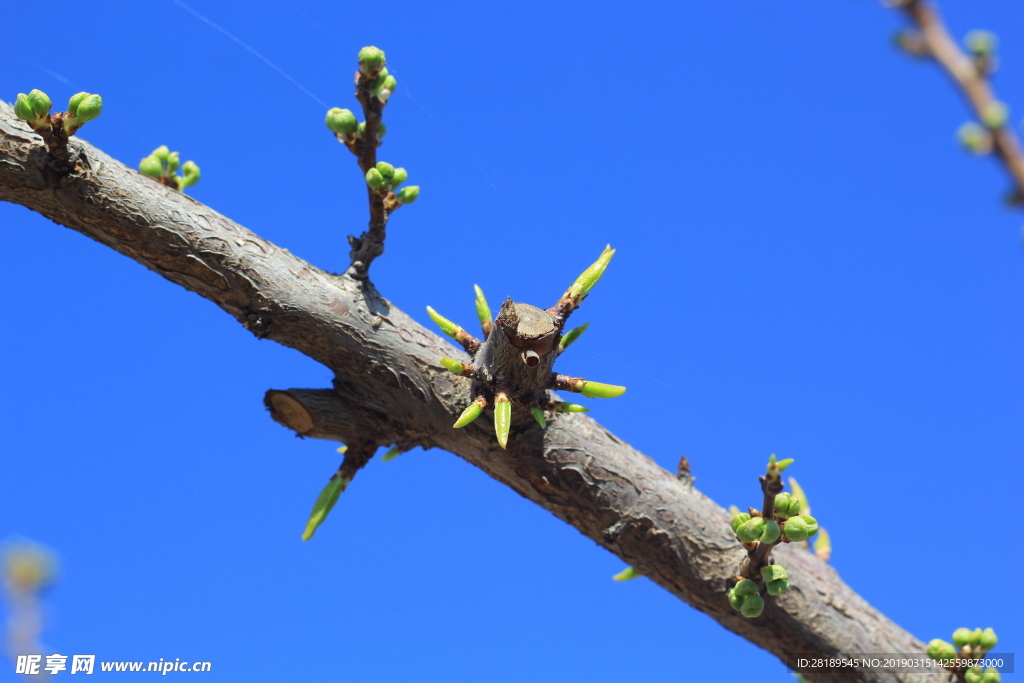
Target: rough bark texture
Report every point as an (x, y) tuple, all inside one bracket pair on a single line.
[(388, 384)]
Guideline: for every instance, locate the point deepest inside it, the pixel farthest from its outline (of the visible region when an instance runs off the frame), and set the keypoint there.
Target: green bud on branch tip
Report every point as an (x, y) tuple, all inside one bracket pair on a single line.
[(40, 103), (384, 88), (776, 468), (471, 412), (399, 177), (502, 418), (597, 389), (751, 530), (538, 415), (771, 532), (446, 325), (151, 166), (777, 587), (738, 519), (162, 153), (453, 366), (627, 574), (752, 606), (995, 115), (386, 169), (375, 180), (190, 174), (940, 649), (988, 639), (323, 505), (483, 311), (76, 100), (371, 59), (745, 587), (23, 108), (786, 505), (89, 108), (563, 407), (341, 121), (572, 335), (407, 195), (589, 277), (799, 528), (173, 160), (774, 572), (961, 637), (736, 601)]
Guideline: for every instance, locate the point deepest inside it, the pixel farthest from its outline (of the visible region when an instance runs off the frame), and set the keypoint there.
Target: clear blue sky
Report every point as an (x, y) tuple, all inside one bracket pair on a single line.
[(807, 265)]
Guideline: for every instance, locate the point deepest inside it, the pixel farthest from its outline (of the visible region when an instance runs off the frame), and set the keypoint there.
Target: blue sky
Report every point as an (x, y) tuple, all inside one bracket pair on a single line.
[(807, 265)]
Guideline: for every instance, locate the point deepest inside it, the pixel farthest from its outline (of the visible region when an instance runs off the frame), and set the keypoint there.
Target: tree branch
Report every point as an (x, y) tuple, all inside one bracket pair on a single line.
[(389, 389)]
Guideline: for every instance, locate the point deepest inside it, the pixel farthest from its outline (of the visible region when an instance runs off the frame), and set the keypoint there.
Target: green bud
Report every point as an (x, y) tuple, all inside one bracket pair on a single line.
[(991, 675), (745, 587), (800, 528), (483, 311), (776, 468), (738, 518), (995, 115), (446, 325), (471, 413), (23, 108), (538, 415), (627, 574), (940, 649), (40, 103), (572, 335), (151, 166), (407, 195), (736, 600), (400, 176), (375, 180), (502, 418), (381, 130), (190, 173), (787, 505), (173, 161), (589, 277), (322, 507), (453, 366), (393, 453), (961, 637), (76, 100), (751, 530), (89, 108), (988, 639), (973, 675), (976, 635), (385, 88), (777, 587), (599, 390), (563, 407), (974, 138), (771, 532), (341, 121), (386, 169), (371, 59), (162, 153), (774, 572), (981, 43), (752, 606)]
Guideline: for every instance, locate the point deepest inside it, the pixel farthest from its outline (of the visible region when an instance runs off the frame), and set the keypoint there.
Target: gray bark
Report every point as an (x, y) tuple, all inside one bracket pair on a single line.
[(388, 385)]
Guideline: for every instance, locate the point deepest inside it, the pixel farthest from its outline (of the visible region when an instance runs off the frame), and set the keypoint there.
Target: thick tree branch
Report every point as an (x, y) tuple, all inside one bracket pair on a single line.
[(972, 82), (389, 389)]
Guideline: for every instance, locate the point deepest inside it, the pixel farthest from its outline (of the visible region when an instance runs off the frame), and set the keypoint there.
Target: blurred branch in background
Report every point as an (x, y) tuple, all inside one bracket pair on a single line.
[(28, 570)]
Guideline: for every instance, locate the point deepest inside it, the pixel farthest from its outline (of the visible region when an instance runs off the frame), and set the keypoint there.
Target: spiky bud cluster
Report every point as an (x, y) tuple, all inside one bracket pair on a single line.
[(162, 163), (512, 366)]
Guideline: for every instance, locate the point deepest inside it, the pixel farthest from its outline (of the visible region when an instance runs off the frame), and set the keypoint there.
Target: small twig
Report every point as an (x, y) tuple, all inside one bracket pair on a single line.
[(972, 81), (370, 244), (356, 457), (757, 557)]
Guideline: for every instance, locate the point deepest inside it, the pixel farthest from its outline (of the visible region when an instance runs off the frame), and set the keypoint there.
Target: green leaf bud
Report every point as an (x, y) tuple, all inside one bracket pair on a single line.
[(995, 115), (589, 277), (341, 121), (777, 587), (745, 587), (988, 639), (787, 505), (151, 166), (23, 108), (453, 366), (400, 176), (371, 59), (446, 325), (190, 173), (940, 649), (736, 601), (599, 390), (76, 100), (385, 88), (375, 180), (173, 161), (162, 153), (737, 519), (774, 572), (991, 675), (771, 532), (751, 530), (323, 505), (981, 43), (973, 675), (386, 169), (407, 195), (752, 606), (627, 574), (40, 103), (471, 413), (381, 130), (799, 528), (572, 335), (502, 418), (89, 108), (962, 636), (538, 415), (974, 138), (563, 407)]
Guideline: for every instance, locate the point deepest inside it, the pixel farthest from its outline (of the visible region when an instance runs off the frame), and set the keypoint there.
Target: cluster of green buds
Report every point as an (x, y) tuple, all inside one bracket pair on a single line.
[(385, 178), (162, 165), (372, 65), (967, 645), (745, 596), (34, 108)]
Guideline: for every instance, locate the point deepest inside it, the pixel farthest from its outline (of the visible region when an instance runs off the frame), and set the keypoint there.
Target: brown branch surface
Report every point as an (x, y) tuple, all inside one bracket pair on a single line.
[(388, 384), (969, 79)]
